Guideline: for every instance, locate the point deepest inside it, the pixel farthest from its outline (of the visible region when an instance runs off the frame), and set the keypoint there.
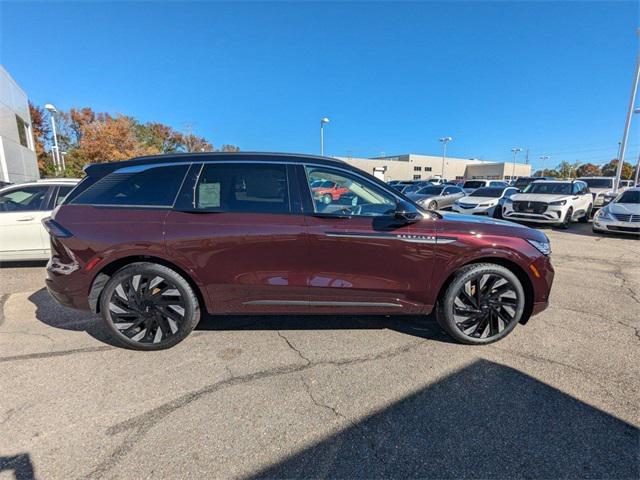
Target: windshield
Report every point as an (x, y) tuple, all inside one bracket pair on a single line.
[(474, 184), (523, 182), (598, 182), (630, 196), (549, 187), (487, 192), (431, 190)]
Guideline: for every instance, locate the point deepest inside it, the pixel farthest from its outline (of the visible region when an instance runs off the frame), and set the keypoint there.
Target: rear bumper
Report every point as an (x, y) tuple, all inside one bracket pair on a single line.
[(68, 289)]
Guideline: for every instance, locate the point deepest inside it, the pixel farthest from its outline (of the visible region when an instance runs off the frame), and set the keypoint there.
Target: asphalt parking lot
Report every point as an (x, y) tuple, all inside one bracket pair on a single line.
[(329, 396)]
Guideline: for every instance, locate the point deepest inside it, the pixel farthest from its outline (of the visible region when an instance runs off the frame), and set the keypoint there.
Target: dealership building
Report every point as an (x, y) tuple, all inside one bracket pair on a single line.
[(422, 167), (18, 162)]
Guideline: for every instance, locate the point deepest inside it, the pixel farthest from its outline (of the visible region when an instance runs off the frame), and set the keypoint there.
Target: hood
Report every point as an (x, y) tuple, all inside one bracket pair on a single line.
[(491, 225), (624, 208), (477, 200), (538, 197), (601, 191)]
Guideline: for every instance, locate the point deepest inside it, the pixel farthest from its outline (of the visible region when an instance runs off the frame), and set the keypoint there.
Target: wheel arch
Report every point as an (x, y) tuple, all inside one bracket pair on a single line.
[(107, 271), (512, 266)]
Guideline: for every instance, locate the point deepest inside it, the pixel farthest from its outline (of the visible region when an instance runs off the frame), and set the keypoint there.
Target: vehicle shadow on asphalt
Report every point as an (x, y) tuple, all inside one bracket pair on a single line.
[(20, 465), (484, 421), (49, 312), (422, 326)]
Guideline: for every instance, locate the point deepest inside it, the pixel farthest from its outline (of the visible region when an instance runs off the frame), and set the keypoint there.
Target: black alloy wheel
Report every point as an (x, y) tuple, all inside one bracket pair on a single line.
[(566, 222), (483, 304), (149, 306)]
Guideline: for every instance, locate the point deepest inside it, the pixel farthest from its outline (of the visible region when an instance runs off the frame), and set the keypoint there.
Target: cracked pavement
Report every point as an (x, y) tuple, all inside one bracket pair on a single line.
[(332, 396)]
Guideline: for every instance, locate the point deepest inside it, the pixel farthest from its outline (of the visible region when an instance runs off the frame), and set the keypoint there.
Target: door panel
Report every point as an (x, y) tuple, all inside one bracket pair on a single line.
[(21, 232), (361, 258), (241, 240)]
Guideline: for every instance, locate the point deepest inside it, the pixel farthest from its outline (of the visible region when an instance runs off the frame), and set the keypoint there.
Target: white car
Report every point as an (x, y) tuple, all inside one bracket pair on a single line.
[(602, 189), (622, 215), (485, 201), (554, 202), (22, 208), (471, 185)]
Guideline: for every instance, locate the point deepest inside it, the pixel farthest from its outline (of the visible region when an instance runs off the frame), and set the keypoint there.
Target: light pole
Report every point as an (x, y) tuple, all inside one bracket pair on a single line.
[(444, 141), (544, 158), (515, 151), (635, 182), (322, 123), (56, 152), (627, 123)]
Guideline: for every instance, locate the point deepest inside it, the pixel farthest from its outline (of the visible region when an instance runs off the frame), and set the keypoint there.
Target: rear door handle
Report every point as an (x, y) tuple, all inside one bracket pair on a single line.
[(25, 219)]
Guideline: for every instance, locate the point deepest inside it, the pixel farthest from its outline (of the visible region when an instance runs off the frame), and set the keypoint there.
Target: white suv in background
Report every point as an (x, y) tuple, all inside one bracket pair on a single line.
[(602, 189), (555, 202), (22, 208)]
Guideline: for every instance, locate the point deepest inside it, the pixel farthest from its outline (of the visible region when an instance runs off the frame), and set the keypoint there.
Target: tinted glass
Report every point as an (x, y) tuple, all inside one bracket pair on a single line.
[(491, 192), (136, 186), (431, 190), (23, 199), (452, 190), (555, 188), (598, 182), (352, 196), (630, 196), (474, 184), (248, 188), (63, 191)]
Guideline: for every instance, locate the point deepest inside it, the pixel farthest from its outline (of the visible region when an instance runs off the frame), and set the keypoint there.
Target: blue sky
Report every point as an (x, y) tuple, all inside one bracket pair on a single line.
[(553, 77)]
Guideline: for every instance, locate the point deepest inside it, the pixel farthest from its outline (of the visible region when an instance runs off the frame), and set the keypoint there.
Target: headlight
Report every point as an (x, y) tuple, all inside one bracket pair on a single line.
[(559, 202), (603, 214), (543, 247)]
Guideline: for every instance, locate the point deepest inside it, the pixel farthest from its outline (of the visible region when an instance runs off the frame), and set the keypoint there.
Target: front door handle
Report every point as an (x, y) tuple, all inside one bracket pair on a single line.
[(25, 219)]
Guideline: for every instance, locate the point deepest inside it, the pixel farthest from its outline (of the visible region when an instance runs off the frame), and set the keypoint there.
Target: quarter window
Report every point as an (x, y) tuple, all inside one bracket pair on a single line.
[(63, 191), (24, 199), (249, 188), (350, 195), (144, 186)]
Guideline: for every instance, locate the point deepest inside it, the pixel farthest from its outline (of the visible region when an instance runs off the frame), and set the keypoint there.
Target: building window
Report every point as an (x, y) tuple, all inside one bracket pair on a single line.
[(427, 169), (459, 177), (23, 132), (417, 177), (417, 169)]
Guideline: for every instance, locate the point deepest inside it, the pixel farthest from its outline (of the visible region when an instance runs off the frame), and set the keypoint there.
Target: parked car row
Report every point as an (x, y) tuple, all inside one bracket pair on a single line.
[(543, 200)]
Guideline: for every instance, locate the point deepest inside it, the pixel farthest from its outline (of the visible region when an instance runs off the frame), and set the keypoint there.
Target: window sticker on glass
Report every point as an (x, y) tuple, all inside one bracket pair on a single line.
[(209, 195)]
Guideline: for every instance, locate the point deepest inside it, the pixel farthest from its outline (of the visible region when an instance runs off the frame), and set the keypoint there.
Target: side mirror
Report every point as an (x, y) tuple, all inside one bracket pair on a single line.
[(406, 212)]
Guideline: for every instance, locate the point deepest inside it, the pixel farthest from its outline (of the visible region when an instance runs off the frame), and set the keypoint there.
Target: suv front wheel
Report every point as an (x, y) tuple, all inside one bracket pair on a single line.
[(483, 304), (147, 306)]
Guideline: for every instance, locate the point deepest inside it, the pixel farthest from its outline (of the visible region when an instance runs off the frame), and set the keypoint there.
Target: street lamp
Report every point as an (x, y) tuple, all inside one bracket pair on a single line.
[(56, 151), (444, 141), (515, 151), (635, 183), (544, 158), (322, 123)]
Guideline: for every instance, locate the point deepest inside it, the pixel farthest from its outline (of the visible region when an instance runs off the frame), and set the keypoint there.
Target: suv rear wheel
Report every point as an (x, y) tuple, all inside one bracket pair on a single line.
[(483, 304), (147, 306)]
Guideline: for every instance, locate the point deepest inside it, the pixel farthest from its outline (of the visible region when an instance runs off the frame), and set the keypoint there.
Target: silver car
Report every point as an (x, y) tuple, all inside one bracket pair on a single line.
[(435, 197)]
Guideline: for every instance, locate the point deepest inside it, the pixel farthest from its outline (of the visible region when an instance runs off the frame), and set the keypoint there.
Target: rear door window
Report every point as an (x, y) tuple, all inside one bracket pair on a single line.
[(136, 186), (242, 187), (25, 199)]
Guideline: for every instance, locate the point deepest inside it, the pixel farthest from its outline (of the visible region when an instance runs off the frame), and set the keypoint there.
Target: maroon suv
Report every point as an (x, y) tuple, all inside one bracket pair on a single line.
[(151, 242)]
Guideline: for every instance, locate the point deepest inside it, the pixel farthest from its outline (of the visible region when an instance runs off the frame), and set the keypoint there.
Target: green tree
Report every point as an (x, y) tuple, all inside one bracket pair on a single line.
[(588, 170), (564, 169), (611, 169)]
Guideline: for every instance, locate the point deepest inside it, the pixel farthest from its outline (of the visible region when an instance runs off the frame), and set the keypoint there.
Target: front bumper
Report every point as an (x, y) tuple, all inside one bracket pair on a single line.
[(474, 210), (552, 215), (615, 226)]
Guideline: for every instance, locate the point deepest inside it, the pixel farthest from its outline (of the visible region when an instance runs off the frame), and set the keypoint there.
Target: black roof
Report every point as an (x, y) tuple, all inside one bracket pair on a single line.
[(104, 168)]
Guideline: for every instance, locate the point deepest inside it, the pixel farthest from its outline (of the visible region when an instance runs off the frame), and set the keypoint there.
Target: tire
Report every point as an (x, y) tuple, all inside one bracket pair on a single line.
[(141, 306), (432, 205), (567, 219), (483, 318), (327, 199), (587, 215), (497, 212)]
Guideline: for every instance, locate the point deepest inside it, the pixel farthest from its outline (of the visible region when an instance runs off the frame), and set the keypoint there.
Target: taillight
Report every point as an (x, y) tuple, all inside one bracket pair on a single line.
[(55, 229)]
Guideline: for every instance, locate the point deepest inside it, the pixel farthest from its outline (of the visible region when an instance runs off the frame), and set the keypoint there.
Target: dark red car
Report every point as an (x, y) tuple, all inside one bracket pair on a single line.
[(152, 242)]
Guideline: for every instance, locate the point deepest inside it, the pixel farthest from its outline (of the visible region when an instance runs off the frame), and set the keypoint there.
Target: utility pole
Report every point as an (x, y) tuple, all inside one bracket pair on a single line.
[(544, 158), (444, 141), (515, 151), (627, 124), (322, 123)]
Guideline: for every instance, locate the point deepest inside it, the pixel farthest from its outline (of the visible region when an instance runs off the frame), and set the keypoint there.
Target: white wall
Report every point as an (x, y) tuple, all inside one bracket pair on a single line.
[(17, 163)]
